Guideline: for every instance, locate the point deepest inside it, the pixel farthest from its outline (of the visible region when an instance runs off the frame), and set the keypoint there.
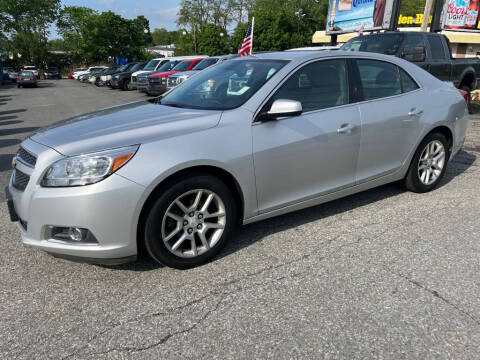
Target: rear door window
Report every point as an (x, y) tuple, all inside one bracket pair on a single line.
[(436, 47), (408, 84), (379, 79)]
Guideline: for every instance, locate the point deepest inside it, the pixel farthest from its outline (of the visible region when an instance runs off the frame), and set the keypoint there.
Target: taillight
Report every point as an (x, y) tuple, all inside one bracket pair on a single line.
[(19, 78), (465, 95), (32, 79)]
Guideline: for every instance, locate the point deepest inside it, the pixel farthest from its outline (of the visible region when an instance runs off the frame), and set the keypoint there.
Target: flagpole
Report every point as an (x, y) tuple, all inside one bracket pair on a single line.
[(251, 47)]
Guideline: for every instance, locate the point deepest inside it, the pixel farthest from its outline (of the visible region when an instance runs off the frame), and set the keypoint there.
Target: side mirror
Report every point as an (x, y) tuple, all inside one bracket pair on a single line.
[(282, 108), (417, 54)]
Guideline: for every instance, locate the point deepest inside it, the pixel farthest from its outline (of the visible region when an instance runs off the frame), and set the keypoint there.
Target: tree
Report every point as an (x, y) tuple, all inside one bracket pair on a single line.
[(72, 24), (210, 42), (26, 23), (162, 36), (237, 37)]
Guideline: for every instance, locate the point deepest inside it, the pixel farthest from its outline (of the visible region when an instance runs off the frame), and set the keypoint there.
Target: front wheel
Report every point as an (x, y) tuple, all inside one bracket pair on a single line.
[(429, 164), (126, 85), (189, 222)]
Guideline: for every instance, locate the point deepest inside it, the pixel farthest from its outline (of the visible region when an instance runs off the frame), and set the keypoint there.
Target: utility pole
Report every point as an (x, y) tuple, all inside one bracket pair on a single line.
[(426, 15)]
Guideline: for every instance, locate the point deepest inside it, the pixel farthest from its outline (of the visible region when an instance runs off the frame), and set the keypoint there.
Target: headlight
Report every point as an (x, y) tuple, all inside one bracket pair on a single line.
[(88, 168), (181, 79)]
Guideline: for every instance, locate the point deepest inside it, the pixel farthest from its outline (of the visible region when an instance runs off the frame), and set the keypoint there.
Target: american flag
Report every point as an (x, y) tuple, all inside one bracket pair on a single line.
[(246, 48)]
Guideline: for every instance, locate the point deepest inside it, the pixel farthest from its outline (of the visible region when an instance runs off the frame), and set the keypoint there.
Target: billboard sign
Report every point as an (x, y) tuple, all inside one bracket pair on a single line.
[(358, 15), (460, 14)]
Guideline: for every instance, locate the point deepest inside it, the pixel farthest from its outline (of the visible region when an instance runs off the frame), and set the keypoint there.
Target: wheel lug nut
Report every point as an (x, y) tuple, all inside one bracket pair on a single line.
[(200, 216), (185, 222), (199, 226), (191, 214), (190, 230)]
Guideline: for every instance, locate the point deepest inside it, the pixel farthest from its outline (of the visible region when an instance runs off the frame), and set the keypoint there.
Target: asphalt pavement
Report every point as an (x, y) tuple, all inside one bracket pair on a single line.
[(384, 274)]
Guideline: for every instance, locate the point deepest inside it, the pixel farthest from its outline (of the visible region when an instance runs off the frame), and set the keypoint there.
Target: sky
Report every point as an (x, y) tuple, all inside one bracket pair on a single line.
[(160, 13)]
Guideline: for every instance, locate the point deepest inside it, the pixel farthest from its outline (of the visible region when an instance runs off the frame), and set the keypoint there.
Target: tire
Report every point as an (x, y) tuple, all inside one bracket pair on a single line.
[(125, 85), (19, 86), (423, 160), (158, 225)]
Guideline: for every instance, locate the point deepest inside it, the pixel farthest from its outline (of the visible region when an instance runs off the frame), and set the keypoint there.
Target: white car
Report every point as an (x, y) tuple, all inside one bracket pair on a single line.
[(90, 69), (154, 64), (32, 69)]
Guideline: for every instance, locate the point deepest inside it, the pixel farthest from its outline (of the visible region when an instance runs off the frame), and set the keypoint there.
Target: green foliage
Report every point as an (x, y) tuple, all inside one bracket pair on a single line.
[(237, 37), (210, 42), (161, 36), (26, 23)]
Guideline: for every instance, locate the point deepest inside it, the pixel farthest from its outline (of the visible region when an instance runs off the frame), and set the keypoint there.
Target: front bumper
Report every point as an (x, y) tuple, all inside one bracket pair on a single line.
[(108, 209), (156, 88), (51, 76)]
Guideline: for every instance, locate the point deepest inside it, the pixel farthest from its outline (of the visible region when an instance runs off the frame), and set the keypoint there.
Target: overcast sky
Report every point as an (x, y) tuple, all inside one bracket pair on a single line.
[(160, 13)]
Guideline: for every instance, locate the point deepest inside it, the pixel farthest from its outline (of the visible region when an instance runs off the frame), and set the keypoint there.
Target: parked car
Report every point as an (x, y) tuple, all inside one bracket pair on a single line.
[(26, 79), (106, 76), (122, 79), (12, 74), (32, 69), (430, 51), (157, 83), (77, 74), (121, 69), (72, 73), (175, 174), (178, 78), (142, 79), (154, 66), (94, 76), (52, 73)]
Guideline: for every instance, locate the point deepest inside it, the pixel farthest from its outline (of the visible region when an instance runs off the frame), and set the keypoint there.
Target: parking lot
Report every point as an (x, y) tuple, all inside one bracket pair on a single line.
[(384, 274)]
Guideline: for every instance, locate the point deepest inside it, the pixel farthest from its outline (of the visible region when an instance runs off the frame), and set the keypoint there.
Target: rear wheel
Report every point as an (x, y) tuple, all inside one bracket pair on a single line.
[(189, 222), (428, 164)]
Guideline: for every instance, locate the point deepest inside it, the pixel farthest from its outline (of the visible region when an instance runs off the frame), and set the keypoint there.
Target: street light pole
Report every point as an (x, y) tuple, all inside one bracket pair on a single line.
[(300, 15)]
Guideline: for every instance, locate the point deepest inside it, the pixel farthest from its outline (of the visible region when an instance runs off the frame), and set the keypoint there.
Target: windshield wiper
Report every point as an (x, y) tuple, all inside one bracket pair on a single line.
[(171, 104)]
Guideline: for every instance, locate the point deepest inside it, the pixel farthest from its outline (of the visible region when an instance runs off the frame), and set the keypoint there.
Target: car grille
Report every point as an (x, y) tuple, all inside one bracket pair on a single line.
[(20, 180), (25, 157), (154, 80), (142, 80)]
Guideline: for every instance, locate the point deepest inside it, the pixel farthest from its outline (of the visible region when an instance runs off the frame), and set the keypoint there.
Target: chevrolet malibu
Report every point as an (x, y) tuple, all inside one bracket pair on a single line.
[(243, 141)]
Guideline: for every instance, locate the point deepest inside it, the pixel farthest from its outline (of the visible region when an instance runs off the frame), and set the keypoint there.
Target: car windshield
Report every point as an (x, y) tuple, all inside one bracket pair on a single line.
[(26, 73), (182, 66), (151, 65), (224, 86), (52, 69), (205, 63), (138, 66), (168, 66), (382, 44)]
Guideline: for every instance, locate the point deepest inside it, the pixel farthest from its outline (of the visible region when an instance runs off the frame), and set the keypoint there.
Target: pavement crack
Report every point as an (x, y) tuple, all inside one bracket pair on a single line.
[(435, 293), (164, 339)]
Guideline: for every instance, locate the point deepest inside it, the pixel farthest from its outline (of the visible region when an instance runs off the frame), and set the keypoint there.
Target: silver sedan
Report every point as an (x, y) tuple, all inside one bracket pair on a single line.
[(242, 141)]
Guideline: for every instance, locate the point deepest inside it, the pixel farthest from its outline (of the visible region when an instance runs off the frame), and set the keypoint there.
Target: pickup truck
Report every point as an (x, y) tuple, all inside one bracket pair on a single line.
[(430, 51)]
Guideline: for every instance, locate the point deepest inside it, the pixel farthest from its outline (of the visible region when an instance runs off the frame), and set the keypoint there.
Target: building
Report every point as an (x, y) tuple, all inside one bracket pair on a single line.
[(162, 50)]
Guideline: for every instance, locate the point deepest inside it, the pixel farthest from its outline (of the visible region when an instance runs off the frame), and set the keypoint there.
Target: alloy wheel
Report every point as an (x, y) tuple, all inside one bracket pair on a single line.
[(193, 223), (431, 162)]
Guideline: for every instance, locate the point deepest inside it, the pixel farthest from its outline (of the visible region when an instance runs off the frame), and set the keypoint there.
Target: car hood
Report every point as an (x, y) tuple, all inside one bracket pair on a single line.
[(186, 73), (164, 74), (129, 124)]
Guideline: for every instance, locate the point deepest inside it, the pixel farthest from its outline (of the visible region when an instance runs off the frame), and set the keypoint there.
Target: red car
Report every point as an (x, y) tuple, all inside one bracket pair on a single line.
[(157, 83)]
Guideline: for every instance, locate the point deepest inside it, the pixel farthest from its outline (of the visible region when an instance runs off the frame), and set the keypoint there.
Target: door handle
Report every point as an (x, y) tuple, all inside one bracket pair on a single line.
[(415, 112), (345, 129)]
